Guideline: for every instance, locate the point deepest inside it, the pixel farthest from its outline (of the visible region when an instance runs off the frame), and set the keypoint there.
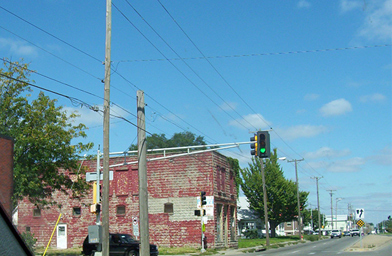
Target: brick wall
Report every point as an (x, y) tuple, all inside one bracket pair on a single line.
[(6, 172), (176, 182)]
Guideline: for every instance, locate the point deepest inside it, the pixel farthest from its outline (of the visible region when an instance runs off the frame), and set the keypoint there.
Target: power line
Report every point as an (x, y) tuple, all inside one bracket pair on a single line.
[(46, 32), (262, 54)]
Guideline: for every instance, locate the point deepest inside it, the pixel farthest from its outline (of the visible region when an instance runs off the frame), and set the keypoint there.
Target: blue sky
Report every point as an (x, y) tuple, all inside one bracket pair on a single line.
[(317, 72)]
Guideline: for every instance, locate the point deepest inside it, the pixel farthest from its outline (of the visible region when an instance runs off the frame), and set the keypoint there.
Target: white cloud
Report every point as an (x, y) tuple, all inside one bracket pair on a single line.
[(18, 47), (346, 5), (311, 96), (378, 22), (91, 118), (383, 157), (303, 4), (251, 121), (376, 97), (301, 131), (336, 108), (228, 106), (327, 152), (347, 165)]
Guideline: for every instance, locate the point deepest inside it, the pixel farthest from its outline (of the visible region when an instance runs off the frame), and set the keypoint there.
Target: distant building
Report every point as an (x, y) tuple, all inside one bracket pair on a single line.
[(247, 219), (339, 222), (174, 186)]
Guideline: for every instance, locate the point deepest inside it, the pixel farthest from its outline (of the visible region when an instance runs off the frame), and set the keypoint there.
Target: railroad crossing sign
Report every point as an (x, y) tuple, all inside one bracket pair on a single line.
[(360, 223), (359, 213)]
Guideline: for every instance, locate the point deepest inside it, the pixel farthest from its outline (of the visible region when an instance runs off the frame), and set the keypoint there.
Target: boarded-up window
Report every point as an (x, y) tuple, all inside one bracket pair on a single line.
[(37, 212), (76, 211), (168, 208), (122, 182), (120, 209)]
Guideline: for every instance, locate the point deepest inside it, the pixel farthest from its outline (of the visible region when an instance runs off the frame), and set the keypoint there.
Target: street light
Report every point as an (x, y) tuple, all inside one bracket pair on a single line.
[(336, 211)]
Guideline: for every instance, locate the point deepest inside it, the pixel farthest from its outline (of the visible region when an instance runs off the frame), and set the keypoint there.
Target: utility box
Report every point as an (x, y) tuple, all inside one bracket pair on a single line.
[(95, 234)]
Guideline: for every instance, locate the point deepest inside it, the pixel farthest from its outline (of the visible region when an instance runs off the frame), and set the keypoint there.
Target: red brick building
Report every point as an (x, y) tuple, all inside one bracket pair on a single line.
[(173, 186), (6, 172)]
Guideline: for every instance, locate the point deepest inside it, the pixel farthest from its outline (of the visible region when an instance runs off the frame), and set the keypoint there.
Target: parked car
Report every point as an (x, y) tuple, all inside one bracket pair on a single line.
[(336, 233), (354, 232), (119, 244), (346, 233)]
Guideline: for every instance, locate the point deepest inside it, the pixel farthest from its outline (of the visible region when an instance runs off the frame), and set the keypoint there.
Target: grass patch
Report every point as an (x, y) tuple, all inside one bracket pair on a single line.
[(54, 251), (177, 250)]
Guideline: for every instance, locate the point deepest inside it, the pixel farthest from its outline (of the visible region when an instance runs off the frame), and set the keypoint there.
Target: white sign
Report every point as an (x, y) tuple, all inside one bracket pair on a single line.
[(92, 176), (135, 226), (359, 214), (209, 207)]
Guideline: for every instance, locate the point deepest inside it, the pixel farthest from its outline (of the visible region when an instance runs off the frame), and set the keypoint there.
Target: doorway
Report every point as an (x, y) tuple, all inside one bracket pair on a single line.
[(62, 236)]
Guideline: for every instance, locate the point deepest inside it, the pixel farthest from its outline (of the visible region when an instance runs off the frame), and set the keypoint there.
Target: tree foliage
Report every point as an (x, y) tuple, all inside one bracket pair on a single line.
[(281, 193), (42, 134), (180, 139), (312, 214)]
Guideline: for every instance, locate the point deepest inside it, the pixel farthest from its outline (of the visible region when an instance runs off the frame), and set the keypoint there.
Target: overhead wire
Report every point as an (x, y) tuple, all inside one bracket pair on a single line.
[(181, 72)]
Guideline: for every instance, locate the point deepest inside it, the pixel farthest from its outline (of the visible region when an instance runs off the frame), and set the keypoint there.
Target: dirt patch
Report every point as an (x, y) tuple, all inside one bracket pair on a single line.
[(370, 242)]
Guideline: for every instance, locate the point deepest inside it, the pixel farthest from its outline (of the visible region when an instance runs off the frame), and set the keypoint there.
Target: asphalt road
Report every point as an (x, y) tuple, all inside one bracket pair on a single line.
[(326, 247)]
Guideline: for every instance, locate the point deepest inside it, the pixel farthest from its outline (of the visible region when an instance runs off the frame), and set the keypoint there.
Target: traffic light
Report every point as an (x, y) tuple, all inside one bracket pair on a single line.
[(203, 199), (253, 146), (263, 143)]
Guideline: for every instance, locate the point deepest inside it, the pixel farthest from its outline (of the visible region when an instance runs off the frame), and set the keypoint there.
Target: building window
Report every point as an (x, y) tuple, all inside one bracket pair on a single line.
[(168, 208), (37, 212), (288, 224), (120, 209), (27, 229), (76, 211)]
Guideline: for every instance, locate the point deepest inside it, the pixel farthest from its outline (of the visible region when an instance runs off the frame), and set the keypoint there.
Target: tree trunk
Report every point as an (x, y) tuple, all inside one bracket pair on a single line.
[(273, 227)]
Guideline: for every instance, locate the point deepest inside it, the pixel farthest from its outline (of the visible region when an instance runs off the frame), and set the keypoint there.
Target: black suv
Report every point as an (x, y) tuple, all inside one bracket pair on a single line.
[(119, 244)]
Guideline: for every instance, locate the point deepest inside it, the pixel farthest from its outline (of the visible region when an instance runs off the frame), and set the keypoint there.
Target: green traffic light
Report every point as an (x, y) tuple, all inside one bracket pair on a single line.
[(262, 150)]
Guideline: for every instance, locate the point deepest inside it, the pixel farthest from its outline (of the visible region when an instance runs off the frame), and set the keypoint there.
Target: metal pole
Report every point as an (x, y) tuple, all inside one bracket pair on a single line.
[(142, 166), (106, 125), (267, 240), (298, 202)]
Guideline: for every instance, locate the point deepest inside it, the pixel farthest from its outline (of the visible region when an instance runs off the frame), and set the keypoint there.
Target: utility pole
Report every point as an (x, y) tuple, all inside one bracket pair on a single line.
[(331, 193), (142, 166), (267, 240), (298, 203), (336, 211), (318, 205), (106, 125)]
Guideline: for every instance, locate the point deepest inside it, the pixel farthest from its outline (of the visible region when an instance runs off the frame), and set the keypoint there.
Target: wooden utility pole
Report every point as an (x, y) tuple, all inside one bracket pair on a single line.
[(106, 125), (331, 193), (142, 166), (298, 202), (318, 205), (267, 240)]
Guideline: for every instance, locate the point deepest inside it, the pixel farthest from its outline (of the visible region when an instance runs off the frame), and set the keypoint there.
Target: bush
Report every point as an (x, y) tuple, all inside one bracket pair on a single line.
[(29, 239), (251, 234)]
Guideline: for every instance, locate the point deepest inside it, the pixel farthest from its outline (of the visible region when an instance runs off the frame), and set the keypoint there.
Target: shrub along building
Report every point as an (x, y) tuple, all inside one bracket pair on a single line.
[(174, 186)]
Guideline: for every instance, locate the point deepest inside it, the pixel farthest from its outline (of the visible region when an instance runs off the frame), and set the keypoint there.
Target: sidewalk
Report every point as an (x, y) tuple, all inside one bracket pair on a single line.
[(370, 243)]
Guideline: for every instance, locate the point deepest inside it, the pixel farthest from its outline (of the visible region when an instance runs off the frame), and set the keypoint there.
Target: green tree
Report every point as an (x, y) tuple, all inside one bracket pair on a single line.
[(307, 216), (281, 193), (180, 139), (42, 134)]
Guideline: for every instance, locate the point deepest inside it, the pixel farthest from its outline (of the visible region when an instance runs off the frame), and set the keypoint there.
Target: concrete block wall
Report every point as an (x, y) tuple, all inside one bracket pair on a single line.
[(176, 181)]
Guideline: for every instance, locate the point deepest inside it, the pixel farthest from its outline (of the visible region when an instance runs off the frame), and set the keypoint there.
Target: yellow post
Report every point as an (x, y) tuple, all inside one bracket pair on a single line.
[(52, 234), (94, 192)]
